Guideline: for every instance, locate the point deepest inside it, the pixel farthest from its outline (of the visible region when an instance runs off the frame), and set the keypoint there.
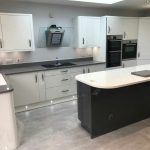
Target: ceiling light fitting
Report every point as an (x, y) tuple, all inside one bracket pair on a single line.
[(100, 1)]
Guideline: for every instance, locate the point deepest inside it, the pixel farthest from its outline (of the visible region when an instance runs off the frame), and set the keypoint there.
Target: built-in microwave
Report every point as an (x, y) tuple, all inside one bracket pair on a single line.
[(129, 49)]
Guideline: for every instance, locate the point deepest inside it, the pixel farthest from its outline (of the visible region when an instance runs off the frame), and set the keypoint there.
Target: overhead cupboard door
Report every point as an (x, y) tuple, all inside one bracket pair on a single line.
[(130, 28), (17, 32), (114, 25)]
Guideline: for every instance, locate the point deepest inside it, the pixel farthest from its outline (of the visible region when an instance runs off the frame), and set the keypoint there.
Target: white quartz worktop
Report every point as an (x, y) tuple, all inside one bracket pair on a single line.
[(2, 80), (116, 78)]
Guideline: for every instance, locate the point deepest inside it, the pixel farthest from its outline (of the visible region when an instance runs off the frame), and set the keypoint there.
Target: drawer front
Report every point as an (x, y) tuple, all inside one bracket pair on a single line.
[(77, 69), (64, 71), (58, 72), (57, 80), (96, 68), (73, 75), (61, 91)]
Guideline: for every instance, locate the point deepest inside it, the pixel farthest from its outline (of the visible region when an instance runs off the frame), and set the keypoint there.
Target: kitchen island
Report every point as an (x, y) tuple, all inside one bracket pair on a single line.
[(8, 126), (109, 100)]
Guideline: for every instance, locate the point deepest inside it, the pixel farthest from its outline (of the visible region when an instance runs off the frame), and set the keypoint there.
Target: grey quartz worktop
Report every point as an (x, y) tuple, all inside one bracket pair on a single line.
[(17, 69)]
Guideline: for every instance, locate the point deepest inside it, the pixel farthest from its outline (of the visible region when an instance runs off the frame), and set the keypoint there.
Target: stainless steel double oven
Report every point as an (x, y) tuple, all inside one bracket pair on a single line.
[(118, 50), (114, 50)]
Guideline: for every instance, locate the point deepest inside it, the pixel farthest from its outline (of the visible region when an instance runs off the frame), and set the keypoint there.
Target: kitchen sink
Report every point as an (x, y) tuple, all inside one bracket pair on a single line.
[(66, 64)]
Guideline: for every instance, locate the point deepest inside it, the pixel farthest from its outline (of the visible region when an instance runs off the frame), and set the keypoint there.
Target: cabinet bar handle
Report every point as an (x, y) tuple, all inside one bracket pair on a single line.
[(65, 91), (30, 43), (1, 45), (139, 54), (124, 35), (43, 77), (83, 70), (123, 65), (64, 71), (83, 41), (35, 78), (64, 79), (108, 29)]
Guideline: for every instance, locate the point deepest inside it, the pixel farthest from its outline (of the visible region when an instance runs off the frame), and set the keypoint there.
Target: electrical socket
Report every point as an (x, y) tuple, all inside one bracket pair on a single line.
[(20, 60)]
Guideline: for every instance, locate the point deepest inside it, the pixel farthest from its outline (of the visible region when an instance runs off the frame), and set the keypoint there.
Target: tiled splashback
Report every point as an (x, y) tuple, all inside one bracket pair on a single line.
[(42, 54)]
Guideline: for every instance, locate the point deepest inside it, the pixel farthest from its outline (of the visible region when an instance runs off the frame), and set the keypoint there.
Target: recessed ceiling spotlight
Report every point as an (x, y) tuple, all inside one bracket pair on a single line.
[(100, 1)]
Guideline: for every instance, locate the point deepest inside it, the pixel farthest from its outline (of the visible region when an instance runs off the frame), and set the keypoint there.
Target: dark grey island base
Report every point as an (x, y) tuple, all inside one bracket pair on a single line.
[(104, 110)]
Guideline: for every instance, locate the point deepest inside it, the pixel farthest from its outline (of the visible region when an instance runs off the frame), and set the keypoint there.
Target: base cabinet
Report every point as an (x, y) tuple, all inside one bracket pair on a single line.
[(129, 63), (48, 87), (26, 88)]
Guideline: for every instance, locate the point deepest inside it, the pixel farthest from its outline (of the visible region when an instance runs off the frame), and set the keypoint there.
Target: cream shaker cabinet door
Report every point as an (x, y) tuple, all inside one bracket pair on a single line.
[(17, 32), (93, 32), (26, 88), (82, 32), (87, 32), (130, 28), (114, 25)]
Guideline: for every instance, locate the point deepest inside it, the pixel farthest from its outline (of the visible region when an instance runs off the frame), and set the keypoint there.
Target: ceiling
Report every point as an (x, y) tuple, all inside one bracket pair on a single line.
[(131, 4)]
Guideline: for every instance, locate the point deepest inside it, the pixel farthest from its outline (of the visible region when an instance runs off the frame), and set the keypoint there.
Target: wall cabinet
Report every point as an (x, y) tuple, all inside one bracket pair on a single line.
[(17, 32), (126, 26), (130, 28), (129, 63), (144, 41), (28, 88), (86, 32), (114, 25)]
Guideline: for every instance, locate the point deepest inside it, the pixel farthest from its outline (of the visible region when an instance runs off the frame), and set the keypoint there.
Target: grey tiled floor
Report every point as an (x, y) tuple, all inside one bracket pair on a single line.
[(57, 128)]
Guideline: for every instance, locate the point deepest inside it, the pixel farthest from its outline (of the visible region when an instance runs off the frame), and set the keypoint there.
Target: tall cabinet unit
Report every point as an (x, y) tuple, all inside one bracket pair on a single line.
[(144, 41), (17, 32), (115, 25), (86, 32)]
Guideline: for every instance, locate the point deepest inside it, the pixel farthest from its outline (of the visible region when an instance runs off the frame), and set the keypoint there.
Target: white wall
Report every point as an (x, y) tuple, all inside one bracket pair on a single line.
[(63, 16)]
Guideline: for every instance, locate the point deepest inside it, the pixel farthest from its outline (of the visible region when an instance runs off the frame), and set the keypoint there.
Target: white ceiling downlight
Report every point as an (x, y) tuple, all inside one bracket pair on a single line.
[(99, 1)]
